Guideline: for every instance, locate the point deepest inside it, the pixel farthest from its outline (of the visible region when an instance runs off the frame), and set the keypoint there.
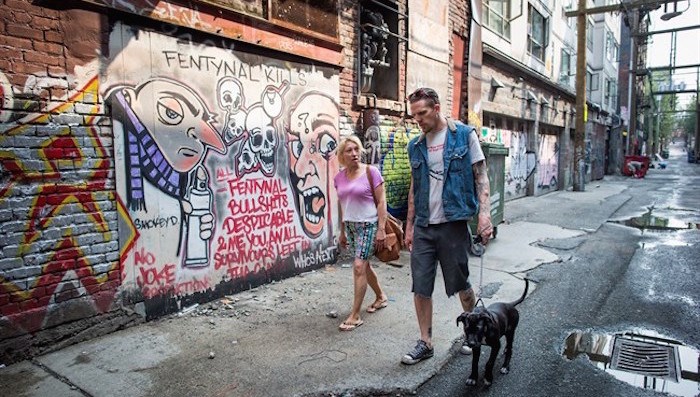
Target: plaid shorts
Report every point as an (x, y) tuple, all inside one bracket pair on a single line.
[(361, 238)]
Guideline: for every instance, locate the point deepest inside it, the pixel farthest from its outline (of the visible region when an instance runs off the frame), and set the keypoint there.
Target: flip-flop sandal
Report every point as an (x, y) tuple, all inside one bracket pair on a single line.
[(377, 306), (346, 326)]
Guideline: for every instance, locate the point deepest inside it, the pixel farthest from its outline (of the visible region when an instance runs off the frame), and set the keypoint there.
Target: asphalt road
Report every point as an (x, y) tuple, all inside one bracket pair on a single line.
[(617, 278)]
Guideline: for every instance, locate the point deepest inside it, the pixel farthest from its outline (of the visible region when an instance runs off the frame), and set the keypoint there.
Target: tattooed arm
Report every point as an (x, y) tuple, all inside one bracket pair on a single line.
[(482, 190), (408, 234)]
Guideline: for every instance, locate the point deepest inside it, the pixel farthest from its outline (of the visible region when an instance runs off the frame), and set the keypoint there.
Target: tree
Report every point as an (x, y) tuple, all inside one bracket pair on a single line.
[(688, 121)]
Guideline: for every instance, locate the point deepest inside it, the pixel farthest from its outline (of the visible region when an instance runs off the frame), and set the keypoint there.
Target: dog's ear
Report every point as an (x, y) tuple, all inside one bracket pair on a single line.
[(462, 318)]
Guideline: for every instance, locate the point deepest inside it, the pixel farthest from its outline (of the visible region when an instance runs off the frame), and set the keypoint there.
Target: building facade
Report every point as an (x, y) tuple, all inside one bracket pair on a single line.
[(158, 155), (528, 90)]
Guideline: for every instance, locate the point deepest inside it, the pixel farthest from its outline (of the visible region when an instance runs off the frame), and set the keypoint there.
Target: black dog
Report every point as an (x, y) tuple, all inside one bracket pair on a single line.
[(487, 326)]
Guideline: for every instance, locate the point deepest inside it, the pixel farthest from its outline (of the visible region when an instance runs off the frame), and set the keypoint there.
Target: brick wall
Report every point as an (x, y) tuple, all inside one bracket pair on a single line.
[(59, 269)]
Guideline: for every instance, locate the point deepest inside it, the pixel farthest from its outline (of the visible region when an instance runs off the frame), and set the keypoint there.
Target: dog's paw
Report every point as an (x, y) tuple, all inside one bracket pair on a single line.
[(505, 370), (471, 382), (487, 383)]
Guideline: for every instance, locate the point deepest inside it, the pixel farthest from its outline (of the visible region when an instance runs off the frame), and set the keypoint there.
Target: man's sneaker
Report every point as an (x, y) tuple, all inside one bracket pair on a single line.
[(466, 350), (419, 353)]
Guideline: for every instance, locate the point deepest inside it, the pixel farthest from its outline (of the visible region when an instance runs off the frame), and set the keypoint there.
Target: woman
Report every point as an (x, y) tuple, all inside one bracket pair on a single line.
[(359, 219)]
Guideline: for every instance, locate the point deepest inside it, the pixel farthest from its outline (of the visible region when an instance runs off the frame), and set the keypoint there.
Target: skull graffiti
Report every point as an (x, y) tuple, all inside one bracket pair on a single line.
[(231, 99), (247, 160), (262, 138)]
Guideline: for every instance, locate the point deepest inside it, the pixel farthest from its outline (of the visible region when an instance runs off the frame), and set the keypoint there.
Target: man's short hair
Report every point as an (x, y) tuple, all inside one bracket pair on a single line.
[(426, 93)]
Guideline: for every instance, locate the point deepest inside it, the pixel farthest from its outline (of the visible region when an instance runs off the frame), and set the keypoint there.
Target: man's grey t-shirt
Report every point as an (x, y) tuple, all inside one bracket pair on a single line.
[(436, 146)]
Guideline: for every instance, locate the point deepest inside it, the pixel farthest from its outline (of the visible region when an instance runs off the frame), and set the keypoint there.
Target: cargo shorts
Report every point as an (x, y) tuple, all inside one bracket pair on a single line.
[(447, 243)]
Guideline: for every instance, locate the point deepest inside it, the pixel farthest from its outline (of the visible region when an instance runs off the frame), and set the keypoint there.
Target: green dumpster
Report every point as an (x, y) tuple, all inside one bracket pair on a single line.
[(496, 162)]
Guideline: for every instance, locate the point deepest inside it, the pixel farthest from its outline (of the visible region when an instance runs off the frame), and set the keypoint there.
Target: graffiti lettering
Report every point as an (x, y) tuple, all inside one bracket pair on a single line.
[(153, 276), (191, 286), (251, 223), (143, 257), (156, 222), (314, 257), (232, 68)]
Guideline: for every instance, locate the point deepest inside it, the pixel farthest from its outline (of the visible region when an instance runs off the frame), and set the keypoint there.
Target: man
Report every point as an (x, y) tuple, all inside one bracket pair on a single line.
[(448, 178)]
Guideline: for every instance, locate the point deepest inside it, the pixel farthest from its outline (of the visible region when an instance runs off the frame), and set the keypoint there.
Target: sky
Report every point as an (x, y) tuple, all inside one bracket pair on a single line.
[(687, 44)]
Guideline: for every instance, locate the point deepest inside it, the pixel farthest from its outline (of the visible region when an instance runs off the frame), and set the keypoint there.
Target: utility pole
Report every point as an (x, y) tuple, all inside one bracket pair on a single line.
[(580, 131), (632, 133)]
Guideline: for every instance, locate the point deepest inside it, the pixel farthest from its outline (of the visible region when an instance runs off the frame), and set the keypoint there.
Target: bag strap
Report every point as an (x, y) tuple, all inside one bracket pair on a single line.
[(371, 185)]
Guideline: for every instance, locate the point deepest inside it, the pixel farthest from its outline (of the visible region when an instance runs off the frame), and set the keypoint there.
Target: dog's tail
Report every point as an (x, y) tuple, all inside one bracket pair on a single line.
[(522, 298)]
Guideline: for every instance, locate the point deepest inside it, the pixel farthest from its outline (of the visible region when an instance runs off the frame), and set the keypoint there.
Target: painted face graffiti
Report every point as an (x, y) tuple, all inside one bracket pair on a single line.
[(182, 124), (313, 140), (167, 132)]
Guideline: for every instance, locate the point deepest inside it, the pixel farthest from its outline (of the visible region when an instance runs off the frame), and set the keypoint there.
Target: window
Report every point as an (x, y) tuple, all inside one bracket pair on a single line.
[(379, 49), (611, 93), (611, 47), (589, 35), (592, 82), (536, 34), (496, 15), (319, 16), (565, 66)]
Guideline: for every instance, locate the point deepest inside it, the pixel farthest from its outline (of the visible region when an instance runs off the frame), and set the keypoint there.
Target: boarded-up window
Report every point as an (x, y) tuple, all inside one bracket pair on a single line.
[(320, 16)]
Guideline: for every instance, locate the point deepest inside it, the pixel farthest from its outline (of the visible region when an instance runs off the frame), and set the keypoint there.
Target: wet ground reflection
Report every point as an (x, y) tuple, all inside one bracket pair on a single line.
[(642, 358), (651, 222)]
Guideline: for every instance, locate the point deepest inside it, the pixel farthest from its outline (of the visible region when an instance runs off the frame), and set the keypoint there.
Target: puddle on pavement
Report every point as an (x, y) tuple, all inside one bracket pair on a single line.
[(642, 358), (651, 222)]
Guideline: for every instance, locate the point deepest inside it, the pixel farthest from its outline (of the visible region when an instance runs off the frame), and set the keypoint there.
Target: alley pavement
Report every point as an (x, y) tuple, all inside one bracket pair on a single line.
[(282, 339)]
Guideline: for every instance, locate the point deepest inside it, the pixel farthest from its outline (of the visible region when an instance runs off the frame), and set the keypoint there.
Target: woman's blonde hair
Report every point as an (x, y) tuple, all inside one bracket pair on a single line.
[(341, 147)]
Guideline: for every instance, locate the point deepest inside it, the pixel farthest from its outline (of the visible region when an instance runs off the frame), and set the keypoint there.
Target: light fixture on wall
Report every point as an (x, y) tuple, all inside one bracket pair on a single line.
[(531, 97), (668, 15), (495, 85)]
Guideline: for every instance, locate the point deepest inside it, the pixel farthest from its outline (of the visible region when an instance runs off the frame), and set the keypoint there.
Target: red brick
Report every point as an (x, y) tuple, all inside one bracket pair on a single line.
[(53, 36), (15, 42), (10, 53), (42, 23), (5, 65), (24, 31), (41, 58), (50, 48), (21, 17), (57, 71), (20, 5), (17, 79), (10, 309), (24, 68)]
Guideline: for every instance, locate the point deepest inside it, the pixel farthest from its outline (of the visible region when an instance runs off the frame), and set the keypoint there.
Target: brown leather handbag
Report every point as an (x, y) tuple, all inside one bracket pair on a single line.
[(393, 228)]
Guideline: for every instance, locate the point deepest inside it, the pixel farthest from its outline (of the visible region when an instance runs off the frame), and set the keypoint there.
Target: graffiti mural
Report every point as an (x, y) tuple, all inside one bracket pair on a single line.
[(55, 215), (395, 166), (224, 163), (548, 163), (519, 164)]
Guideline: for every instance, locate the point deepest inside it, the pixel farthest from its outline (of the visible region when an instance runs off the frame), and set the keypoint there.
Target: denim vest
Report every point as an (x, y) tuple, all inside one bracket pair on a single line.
[(458, 195)]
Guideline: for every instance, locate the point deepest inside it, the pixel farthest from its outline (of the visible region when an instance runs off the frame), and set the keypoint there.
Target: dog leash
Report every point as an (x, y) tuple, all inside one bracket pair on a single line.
[(479, 250)]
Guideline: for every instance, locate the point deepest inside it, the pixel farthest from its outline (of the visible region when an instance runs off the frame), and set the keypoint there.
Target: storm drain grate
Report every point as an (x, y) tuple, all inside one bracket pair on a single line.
[(645, 358)]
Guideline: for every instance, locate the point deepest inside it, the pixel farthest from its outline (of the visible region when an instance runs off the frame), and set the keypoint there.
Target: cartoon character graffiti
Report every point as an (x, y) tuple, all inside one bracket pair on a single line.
[(167, 131), (313, 139)]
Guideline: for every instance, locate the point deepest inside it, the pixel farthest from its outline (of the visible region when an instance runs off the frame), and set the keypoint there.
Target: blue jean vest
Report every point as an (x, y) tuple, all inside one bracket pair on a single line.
[(458, 195)]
